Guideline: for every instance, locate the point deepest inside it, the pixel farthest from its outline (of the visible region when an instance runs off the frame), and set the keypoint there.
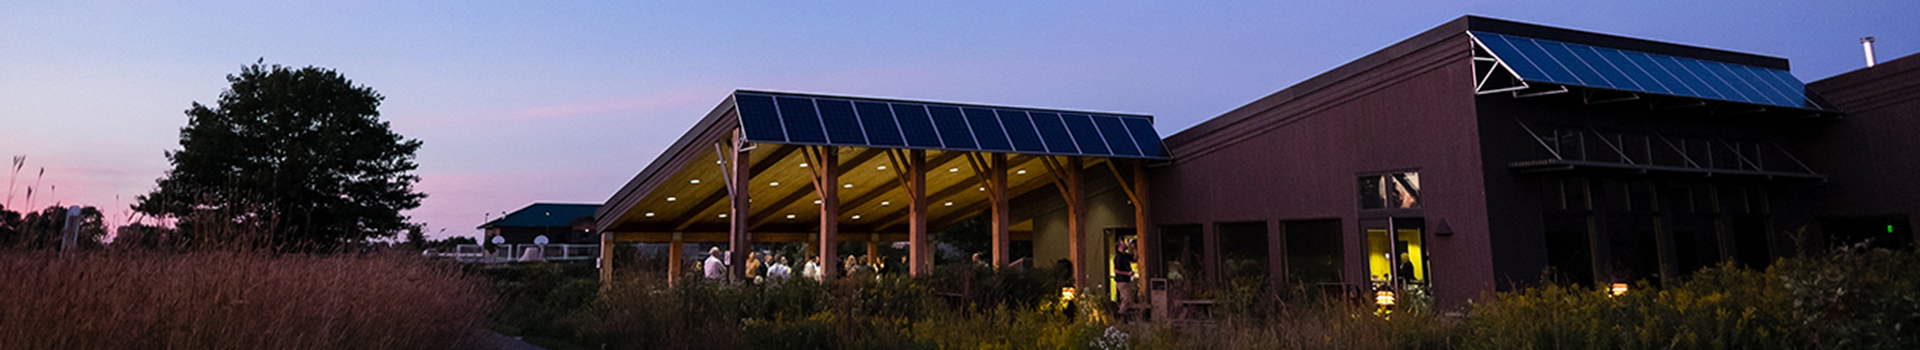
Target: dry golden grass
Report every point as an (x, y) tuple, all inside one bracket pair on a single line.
[(227, 300)]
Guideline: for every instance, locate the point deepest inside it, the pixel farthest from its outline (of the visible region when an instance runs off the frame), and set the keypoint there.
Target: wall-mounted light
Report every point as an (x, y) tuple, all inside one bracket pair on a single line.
[(1441, 228)]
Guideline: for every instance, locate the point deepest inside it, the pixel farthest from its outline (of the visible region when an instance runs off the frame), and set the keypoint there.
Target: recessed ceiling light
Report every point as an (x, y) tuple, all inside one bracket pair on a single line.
[(847, 186), (694, 181), (649, 214), (949, 204), (983, 189), (803, 165), (953, 170), (816, 202), (775, 184), (1021, 172), (670, 199), (856, 216), (883, 167), (885, 203), (790, 216), (723, 216)]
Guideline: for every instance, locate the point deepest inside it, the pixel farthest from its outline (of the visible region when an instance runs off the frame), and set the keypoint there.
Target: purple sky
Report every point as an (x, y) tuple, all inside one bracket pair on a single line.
[(567, 101)]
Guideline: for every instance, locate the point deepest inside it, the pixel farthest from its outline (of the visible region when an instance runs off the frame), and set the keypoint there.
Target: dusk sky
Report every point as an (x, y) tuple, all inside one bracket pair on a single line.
[(567, 100)]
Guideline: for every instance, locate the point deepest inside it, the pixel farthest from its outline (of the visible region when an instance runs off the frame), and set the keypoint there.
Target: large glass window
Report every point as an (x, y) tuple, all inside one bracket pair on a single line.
[(1181, 250), (1396, 250), (1243, 250), (1313, 251), (1390, 191)]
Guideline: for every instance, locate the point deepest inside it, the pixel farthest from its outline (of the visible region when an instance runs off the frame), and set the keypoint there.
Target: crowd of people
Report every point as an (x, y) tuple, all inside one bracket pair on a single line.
[(764, 266)]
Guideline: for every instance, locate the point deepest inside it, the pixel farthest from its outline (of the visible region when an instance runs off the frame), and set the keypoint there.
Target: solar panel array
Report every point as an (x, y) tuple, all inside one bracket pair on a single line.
[(847, 121), (1565, 63)]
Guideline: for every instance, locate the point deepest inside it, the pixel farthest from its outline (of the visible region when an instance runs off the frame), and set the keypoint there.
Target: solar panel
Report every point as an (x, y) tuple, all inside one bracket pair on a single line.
[(800, 119), (1053, 132), (915, 124), (842, 126), (986, 129), (1116, 134), (758, 118), (849, 121), (1085, 134), (1020, 131), (952, 127), (1142, 131), (1548, 61), (877, 119)]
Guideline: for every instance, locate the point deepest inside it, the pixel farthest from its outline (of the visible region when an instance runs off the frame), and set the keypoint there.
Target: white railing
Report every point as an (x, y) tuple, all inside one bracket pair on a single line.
[(475, 253)]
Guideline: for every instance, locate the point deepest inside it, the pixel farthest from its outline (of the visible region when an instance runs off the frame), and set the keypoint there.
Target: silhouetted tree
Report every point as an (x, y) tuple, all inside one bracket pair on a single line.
[(300, 154)]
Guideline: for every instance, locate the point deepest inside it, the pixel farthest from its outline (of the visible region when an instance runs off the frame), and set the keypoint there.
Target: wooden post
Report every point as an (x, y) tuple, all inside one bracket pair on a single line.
[(1002, 230), (1148, 250), (1077, 221), (739, 243), (676, 263), (828, 186), (606, 259), (918, 254)]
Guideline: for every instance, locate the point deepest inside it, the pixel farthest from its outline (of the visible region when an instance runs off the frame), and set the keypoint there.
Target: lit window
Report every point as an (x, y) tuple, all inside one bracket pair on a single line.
[(1390, 191)]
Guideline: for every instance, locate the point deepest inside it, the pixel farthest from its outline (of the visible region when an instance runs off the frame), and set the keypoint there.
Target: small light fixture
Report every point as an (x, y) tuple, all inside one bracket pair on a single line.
[(694, 181), (1383, 298), (774, 184), (1617, 289), (983, 189), (649, 214), (816, 202), (803, 165), (846, 186), (1066, 293), (856, 216), (1020, 172), (670, 199), (949, 204), (883, 167), (790, 216), (953, 170), (723, 216), (885, 203)]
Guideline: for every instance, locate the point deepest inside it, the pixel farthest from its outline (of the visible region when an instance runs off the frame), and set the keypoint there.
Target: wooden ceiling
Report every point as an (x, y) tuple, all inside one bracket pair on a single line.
[(694, 199)]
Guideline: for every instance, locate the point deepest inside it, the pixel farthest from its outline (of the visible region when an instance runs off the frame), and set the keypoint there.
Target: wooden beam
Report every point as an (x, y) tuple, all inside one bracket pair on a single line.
[(738, 240), (1148, 250), (606, 260), (919, 258), (828, 185), (690, 217), (761, 236), (1076, 220), (1122, 180), (1002, 235), (675, 266)]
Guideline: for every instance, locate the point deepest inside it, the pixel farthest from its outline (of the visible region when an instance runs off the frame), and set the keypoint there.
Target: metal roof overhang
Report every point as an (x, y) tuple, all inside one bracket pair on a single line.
[(1529, 67), (682, 193)]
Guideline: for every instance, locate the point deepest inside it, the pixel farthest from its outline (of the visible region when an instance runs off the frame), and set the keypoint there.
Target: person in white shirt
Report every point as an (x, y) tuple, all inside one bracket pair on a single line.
[(780, 271), (716, 269), (812, 270)]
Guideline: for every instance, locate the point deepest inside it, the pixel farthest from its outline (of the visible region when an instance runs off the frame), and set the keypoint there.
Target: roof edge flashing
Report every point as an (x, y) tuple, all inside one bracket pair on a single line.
[(1502, 26)]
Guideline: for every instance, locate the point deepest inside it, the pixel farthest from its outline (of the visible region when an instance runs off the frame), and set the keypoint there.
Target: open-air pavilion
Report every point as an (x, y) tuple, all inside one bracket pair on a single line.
[(784, 167)]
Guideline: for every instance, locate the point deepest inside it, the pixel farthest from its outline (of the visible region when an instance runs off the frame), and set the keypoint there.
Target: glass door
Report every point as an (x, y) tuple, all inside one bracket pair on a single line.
[(1396, 250)]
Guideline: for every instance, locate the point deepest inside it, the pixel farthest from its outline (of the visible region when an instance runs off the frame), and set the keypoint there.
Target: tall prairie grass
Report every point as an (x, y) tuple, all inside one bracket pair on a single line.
[(234, 300)]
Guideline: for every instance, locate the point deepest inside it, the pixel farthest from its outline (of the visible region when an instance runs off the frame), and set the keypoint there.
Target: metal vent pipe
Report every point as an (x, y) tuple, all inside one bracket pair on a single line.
[(1867, 44)]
